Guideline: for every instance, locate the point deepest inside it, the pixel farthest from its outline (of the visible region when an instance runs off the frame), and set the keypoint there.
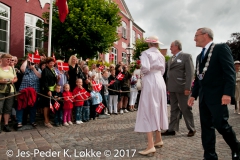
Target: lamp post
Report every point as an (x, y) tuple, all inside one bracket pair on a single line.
[(129, 48)]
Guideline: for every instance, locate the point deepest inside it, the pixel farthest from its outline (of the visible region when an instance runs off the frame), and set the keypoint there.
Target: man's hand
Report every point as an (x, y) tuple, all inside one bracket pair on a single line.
[(32, 67), (187, 92), (226, 100), (191, 101)]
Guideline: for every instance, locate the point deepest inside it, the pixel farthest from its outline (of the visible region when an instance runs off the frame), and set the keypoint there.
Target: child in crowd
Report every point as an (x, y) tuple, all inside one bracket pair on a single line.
[(61, 74), (114, 88), (96, 100), (58, 117), (104, 81), (86, 111), (67, 105), (78, 104), (133, 93)]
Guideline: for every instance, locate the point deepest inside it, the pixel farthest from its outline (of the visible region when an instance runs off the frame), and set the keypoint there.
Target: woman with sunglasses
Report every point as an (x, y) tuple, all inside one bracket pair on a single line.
[(7, 78)]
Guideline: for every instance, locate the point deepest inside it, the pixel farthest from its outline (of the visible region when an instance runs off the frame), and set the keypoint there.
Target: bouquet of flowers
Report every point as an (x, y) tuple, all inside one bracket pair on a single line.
[(134, 65)]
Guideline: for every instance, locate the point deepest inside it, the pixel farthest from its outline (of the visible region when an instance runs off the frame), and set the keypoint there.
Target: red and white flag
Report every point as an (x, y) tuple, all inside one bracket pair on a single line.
[(101, 68), (51, 107), (34, 58), (112, 81), (96, 87), (53, 56), (56, 105), (36, 52), (100, 108), (111, 56), (70, 98), (84, 95), (62, 9), (120, 76), (63, 66)]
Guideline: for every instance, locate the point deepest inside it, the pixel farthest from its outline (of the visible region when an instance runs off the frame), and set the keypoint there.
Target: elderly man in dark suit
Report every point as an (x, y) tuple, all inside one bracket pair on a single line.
[(215, 85), (179, 80)]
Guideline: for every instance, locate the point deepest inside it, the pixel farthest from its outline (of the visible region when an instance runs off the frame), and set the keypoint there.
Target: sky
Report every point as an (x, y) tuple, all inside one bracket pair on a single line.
[(179, 19)]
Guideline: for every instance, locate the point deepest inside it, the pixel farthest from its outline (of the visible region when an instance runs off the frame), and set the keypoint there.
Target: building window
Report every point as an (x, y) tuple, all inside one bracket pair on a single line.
[(139, 37), (114, 53), (33, 33), (124, 30), (124, 58), (133, 37), (4, 28)]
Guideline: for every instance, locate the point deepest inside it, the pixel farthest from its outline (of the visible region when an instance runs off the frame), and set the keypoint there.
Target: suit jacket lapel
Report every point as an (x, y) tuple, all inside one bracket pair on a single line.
[(206, 55), (175, 60)]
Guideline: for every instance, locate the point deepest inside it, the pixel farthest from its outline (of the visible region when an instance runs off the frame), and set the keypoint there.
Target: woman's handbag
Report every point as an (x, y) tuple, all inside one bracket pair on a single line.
[(139, 84)]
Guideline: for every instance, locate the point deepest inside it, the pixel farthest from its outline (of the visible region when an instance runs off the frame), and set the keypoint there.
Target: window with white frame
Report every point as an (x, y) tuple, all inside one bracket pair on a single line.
[(4, 28), (138, 36), (133, 37), (124, 57), (114, 53), (124, 30), (33, 33)]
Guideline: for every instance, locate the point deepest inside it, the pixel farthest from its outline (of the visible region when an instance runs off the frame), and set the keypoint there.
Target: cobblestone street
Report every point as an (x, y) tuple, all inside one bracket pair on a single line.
[(113, 136)]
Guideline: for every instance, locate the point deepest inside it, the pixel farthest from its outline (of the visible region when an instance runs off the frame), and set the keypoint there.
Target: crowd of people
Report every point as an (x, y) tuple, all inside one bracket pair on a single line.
[(51, 85)]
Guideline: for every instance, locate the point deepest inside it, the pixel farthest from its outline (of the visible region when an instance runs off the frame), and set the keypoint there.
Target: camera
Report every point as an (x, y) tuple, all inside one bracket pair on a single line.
[(31, 63)]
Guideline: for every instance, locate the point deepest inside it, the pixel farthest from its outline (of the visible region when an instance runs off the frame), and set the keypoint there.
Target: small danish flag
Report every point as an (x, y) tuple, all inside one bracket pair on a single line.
[(96, 87), (100, 108), (84, 95), (51, 107), (101, 68), (112, 82), (56, 105), (111, 57), (70, 98), (34, 58), (120, 76), (63, 66), (36, 52)]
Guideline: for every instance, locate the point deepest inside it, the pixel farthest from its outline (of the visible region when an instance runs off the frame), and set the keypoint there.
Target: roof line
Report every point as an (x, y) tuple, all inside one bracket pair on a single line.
[(126, 7), (138, 27)]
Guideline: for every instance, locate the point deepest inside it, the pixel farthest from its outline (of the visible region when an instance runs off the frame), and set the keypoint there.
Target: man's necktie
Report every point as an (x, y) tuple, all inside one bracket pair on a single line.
[(202, 54), (173, 57)]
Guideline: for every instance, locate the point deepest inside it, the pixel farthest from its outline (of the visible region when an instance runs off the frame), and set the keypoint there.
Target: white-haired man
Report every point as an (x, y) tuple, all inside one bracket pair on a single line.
[(214, 84)]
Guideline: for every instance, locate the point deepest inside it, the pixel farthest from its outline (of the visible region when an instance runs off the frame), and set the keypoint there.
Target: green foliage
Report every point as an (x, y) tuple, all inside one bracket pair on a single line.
[(234, 45), (140, 46), (91, 62), (167, 57), (89, 28)]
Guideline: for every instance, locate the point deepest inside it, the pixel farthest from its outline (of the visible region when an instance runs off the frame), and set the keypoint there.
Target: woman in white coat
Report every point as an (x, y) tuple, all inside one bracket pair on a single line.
[(152, 111)]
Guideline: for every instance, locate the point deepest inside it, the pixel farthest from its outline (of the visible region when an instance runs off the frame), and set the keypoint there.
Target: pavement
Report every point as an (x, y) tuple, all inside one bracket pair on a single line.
[(111, 138)]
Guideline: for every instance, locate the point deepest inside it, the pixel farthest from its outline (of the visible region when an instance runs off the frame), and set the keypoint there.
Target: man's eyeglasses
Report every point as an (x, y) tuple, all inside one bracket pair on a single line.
[(198, 35)]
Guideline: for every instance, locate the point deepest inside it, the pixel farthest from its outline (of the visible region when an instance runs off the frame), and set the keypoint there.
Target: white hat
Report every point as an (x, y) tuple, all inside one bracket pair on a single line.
[(152, 39), (236, 62)]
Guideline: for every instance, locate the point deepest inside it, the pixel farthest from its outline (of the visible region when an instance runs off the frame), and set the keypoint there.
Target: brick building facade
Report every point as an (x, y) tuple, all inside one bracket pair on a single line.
[(19, 25), (122, 50), (20, 29)]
